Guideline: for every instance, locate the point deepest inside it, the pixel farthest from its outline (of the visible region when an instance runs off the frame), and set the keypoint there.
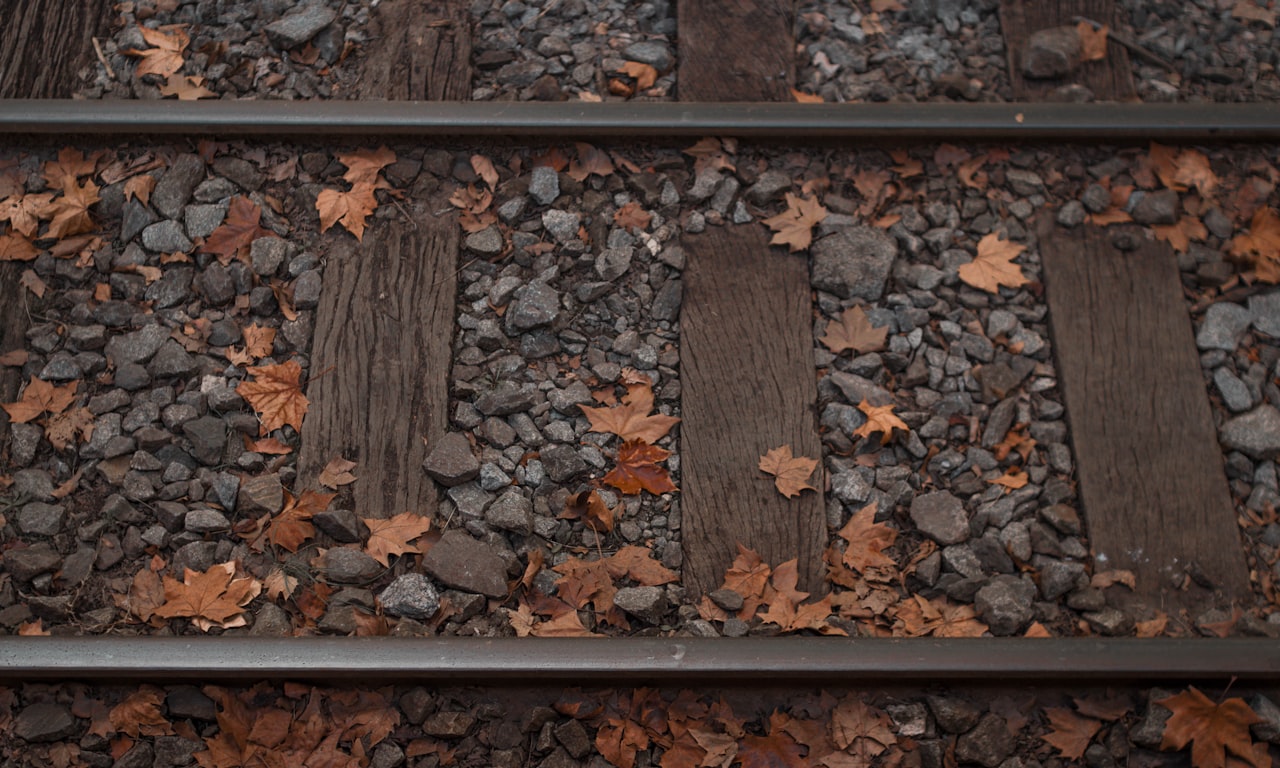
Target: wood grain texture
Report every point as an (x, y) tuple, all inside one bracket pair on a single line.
[(1152, 484), (380, 360), (736, 50), (1110, 79), (423, 52), (15, 318), (45, 43), (749, 385)]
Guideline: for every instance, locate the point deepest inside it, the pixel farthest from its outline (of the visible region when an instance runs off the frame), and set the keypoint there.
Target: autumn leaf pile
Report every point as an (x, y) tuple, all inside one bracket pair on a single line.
[(638, 466)]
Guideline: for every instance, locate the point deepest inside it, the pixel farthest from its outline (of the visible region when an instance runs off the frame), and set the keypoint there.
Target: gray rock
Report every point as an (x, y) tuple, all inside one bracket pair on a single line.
[(1235, 393), (412, 596), (1071, 214), (43, 722), (544, 185), (345, 565), (267, 254), (492, 478), (1264, 309), (769, 186), (1157, 208), (216, 284), (240, 171), (1269, 729), (208, 436), (857, 388), (172, 360), (24, 441), (562, 462), (1004, 604), (853, 263), (61, 367), (521, 73), (954, 714), (851, 487), (1051, 53), (449, 725), (260, 495), (40, 519), (613, 263), (174, 188), (27, 563), (505, 399), (341, 525), (486, 242), (135, 217), (204, 520), (306, 289), (451, 461), (999, 421), (562, 225), (1110, 622), (511, 512), (645, 603), (1224, 324), (464, 563), (138, 346), (470, 499), (299, 27), (173, 287), (989, 743), (651, 52), (1255, 434), (535, 305), (202, 220), (1058, 577), (941, 517)]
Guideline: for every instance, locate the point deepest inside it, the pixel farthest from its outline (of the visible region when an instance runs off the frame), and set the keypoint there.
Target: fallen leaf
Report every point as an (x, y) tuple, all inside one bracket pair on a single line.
[(15, 358), (392, 536), (141, 714), (1093, 42), (880, 418), (15, 247), (775, 749), (23, 212), (853, 330), (993, 266), (33, 629), (861, 729), (337, 472), (1215, 731), (637, 469), (292, 526), (637, 563), (483, 167), (1180, 235), (1193, 170), (790, 473), (210, 598), (1260, 247), (70, 213), (38, 398), (165, 57), (186, 88), (63, 428), (866, 541), (234, 237), (1107, 709), (276, 394), (710, 152), (632, 217), (794, 226), (644, 74), (1104, 579), (631, 420), (32, 282), (589, 160), (350, 208), (1069, 733), (1249, 10), (140, 188), (588, 507), (1012, 479), (806, 98), (71, 163), (365, 165)]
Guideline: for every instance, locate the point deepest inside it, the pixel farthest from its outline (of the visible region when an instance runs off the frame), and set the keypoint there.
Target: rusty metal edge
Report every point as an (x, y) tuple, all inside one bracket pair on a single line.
[(372, 120), (677, 661)]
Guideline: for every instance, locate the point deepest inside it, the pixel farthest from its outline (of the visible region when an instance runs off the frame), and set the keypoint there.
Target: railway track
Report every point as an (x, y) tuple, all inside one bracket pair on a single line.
[(1178, 550)]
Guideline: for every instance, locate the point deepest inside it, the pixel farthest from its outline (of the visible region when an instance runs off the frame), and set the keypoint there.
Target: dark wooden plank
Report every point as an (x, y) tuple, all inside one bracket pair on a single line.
[(1152, 483), (45, 43), (14, 321), (748, 383), (1110, 79), (736, 50), (421, 50), (380, 359)]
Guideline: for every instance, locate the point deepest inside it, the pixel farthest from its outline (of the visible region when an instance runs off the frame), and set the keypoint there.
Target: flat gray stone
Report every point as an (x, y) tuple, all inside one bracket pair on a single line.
[(655, 54), (1255, 434), (172, 360), (1224, 324), (562, 225), (486, 242), (461, 562), (544, 185), (29, 562), (138, 346), (175, 186), (1264, 308), (41, 519), (451, 461), (1157, 208), (533, 306), (204, 520), (259, 495), (297, 28), (208, 436), (505, 399), (511, 512), (645, 603), (202, 220), (134, 218), (43, 722), (853, 263), (1235, 393), (345, 565), (1051, 53), (412, 596), (562, 462)]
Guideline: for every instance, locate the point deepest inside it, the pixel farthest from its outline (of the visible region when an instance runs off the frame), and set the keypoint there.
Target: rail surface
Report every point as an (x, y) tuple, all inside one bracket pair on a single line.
[(938, 121), (755, 661)]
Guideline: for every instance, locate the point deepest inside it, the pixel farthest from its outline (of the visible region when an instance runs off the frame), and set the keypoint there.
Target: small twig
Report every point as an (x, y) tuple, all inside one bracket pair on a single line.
[(1132, 46), (97, 48)]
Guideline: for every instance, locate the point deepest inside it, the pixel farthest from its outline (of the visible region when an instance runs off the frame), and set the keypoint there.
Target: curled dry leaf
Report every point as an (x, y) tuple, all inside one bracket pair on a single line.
[(794, 226), (790, 473), (276, 394), (993, 266), (337, 472), (233, 238), (880, 418), (866, 541), (350, 208), (588, 507), (165, 56), (853, 330)]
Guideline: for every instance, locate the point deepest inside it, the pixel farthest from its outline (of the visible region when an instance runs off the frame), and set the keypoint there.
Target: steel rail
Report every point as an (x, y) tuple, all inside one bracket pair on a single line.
[(384, 119), (673, 661)]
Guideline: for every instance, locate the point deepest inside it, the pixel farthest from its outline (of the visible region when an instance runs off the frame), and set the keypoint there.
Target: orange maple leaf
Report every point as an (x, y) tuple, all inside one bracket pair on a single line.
[(337, 472), (853, 330), (637, 563), (1093, 42), (748, 575), (365, 165), (637, 469), (1260, 247), (276, 394), (993, 266), (1181, 234), (1012, 479), (23, 212), (644, 74), (38, 398), (588, 507), (233, 238), (1213, 730), (391, 536), (790, 473), (1069, 733), (866, 541), (292, 525), (15, 247), (71, 162), (880, 418), (165, 58), (631, 420), (794, 226), (350, 208), (70, 213), (212, 598)]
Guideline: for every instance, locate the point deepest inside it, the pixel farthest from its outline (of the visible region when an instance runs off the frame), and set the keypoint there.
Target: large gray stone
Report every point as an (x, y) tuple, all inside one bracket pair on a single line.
[(208, 436), (345, 565), (1223, 325), (989, 743), (505, 399), (1051, 53), (1264, 308), (42, 519), (138, 346), (645, 603), (174, 188), (27, 563), (853, 263), (45, 721), (451, 461), (412, 596), (941, 517), (1256, 433), (1005, 604), (464, 563), (298, 27), (535, 305), (511, 512)]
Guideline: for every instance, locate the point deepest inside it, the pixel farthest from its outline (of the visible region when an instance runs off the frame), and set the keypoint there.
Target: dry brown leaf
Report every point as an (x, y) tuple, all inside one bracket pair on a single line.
[(644, 74), (140, 188), (141, 714), (62, 429), (15, 247), (806, 98), (794, 226), (186, 88), (23, 212), (1249, 10), (632, 217), (1180, 235), (211, 598), (233, 238), (71, 162), (853, 330), (70, 213), (33, 629), (1260, 247), (993, 266), (276, 394), (165, 57), (40, 397), (1012, 479), (1069, 733), (588, 507), (350, 208), (632, 420), (1104, 579), (392, 536), (866, 541), (337, 472), (365, 165), (589, 160), (880, 418), (1193, 170), (790, 473), (1216, 732), (32, 282), (1093, 42), (637, 469)]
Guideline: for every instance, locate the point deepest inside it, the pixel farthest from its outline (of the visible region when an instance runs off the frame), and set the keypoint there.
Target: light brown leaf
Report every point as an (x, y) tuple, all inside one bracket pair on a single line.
[(292, 526), (23, 212), (140, 713), (1193, 170), (234, 237), (483, 167), (140, 188), (644, 74), (853, 330), (637, 469), (337, 472), (1249, 10), (1093, 42), (632, 217), (364, 165), (993, 266), (40, 397), (32, 282), (1069, 733), (276, 394), (1260, 247), (637, 563), (794, 226), (588, 507), (866, 541), (880, 418), (70, 213), (71, 162), (631, 419), (61, 429), (1012, 479), (805, 98), (15, 247), (790, 473), (33, 629), (1215, 731), (392, 536), (165, 57), (186, 88), (212, 598), (589, 160), (350, 208)]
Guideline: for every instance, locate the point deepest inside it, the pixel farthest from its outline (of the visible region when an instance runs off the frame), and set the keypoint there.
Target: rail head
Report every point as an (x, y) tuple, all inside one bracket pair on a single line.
[(672, 661), (1097, 122)]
